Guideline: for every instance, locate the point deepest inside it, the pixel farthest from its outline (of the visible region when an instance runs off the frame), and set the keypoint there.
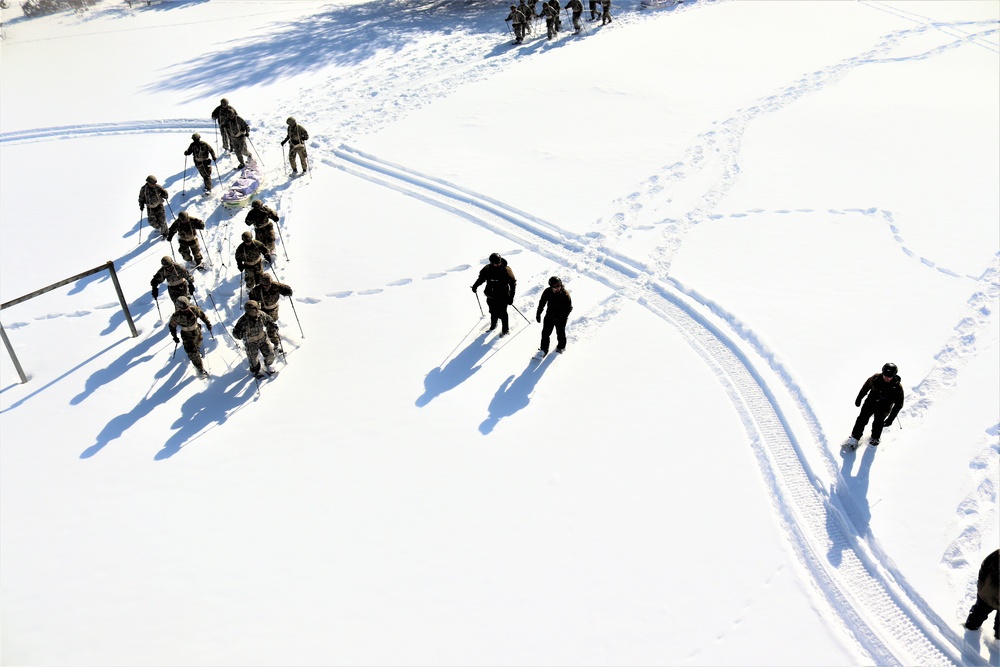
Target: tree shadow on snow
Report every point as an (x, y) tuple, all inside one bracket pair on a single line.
[(514, 394), (340, 35), (456, 371), (222, 396)]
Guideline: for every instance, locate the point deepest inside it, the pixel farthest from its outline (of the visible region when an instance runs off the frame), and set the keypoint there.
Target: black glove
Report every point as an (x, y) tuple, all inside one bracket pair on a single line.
[(538, 317), (510, 301), (209, 327), (473, 288), (191, 286), (156, 291), (239, 265), (888, 421), (174, 336), (284, 141), (857, 403), (141, 207)]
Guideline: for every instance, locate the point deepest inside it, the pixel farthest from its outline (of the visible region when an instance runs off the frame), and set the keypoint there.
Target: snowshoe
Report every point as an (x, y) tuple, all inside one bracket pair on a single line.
[(539, 355), (873, 442), (851, 443)]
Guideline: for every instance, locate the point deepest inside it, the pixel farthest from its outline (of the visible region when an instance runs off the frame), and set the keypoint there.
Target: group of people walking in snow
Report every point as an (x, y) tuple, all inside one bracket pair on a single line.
[(257, 327), (522, 16)]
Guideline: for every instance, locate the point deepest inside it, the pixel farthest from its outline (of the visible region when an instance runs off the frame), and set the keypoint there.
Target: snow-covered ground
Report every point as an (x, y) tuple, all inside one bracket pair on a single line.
[(754, 205)]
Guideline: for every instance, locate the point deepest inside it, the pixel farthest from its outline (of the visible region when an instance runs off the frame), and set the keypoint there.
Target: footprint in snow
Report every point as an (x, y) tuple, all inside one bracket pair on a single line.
[(307, 299), (368, 292), (432, 276), (398, 283), (460, 267), (341, 295)]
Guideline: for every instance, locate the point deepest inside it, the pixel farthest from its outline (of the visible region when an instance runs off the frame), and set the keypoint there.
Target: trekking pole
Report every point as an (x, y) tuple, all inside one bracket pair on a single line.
[(176, 343), (216, 135), (219, 172), (157, 300), (171, 244), (184, 185), (207, 253), (282, 242), (140, 226), (256, 151), (283, 163), (481, 313), (507, 23), (297, 321), (198, 306), (520, 313), (241, 289)]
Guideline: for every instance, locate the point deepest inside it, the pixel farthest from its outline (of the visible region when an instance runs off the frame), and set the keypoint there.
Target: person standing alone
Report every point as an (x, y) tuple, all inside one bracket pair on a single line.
[(560, 306)]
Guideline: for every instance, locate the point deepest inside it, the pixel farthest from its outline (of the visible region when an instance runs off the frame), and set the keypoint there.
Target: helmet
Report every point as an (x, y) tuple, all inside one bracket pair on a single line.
[(151, 179), (553, 281), (251, 305), (290, 121), (196, 136), (183, 302), (225, 102), (889, 370), (183, 215), (257, 203), (495, 258), (266, 278), (166, 260), (247, 236)]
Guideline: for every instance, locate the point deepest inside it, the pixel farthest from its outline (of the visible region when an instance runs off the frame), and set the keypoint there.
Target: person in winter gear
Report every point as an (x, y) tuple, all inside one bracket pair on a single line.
[(152, 197), (528, 11), (260, 216), (186, 228), (238, 131), (254, 328), (499, 290), (560, 306), (222, 115), (186, 317), (885, 400), (987, 595), (297, 138), (606, 13), (250, 259), (179, 280), (593, 10), (558, 11), (268, 293), (203, 156), (517, 19), (551, 14), (577, 8)]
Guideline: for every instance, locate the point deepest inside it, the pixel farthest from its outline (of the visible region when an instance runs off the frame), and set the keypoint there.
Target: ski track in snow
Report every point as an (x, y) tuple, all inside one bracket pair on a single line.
[(872, 601)]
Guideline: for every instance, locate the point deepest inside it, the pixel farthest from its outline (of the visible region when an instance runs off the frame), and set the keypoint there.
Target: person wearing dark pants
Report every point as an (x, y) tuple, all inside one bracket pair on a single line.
[(987, 595), (885, 400), (499, 291), (557, 298)]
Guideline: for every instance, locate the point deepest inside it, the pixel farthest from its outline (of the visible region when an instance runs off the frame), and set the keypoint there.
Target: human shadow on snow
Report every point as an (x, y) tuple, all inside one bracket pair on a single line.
[(222, 396), (456, 371), (115, 428), (852, 493), (342, 35), (514, 394)]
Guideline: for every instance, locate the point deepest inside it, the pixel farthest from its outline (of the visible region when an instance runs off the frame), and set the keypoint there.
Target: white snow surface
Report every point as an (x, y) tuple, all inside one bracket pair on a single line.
[(754, 206)]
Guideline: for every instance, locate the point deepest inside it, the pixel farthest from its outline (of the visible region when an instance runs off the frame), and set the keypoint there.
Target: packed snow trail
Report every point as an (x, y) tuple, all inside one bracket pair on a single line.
[(887, 619)]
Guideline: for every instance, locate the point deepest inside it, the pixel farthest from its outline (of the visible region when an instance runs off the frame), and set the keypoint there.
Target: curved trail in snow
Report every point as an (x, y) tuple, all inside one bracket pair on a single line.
[(886, 618)]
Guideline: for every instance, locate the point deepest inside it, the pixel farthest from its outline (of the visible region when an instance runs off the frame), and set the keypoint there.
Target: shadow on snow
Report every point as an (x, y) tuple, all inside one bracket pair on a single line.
[(514, 394)]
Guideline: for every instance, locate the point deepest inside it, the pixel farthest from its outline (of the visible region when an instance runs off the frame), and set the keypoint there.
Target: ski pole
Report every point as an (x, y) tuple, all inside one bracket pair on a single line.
[(283, 163), (171, 244), (219, 172), (157, 300), (198, 306), (278, 227), (207, 253), (241, 289), (184, 185), (140, 226), (297, 321), (256, 151), (507, 23), (176, 343), (216, 135), (481, 313), (520, 313)]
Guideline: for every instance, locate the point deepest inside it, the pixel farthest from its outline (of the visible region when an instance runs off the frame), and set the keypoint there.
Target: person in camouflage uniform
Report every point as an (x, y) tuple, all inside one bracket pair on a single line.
[(517, 19), (238, 131), (152, 198), (178, 279), (250, 259), (186, 317), (606, 12), (297, 137), (558, 12), (254, 328), (551, 14), (260, 216), (203, 156), (221, 115), (267, 293), (186, 228), (577, 8)]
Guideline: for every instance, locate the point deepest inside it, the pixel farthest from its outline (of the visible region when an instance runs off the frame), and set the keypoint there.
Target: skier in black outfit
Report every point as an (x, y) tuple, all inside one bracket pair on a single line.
[(499, 290), (560, 305), (885, 400), (987, 595)]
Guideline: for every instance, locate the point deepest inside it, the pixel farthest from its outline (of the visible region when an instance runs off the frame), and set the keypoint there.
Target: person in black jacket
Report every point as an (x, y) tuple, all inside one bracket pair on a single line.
[(885, 400), (499, 290), (987, 595), (560, 305)]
